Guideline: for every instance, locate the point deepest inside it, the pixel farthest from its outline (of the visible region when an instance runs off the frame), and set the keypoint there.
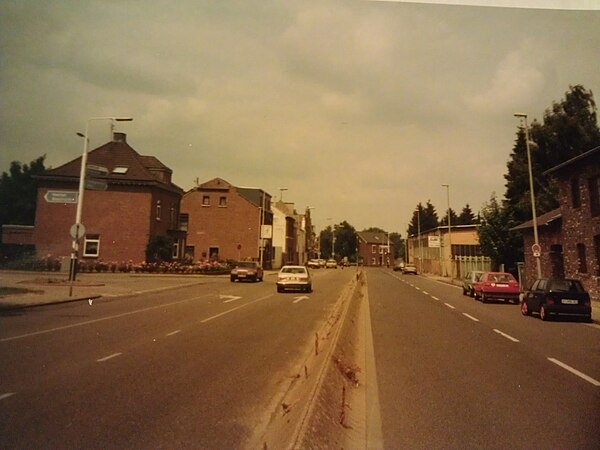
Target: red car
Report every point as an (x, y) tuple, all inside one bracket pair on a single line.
[(497, 286)]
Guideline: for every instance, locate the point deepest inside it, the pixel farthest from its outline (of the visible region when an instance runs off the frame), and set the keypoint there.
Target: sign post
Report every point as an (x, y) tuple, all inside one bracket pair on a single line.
[(536, 249)]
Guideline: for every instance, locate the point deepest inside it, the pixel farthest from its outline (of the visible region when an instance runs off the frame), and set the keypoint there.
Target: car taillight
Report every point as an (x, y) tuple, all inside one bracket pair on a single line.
[(549, 301)]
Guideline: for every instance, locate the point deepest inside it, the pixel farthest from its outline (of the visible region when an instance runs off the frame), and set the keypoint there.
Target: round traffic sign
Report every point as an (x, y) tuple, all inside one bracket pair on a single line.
[(536, 249), (77, 231)]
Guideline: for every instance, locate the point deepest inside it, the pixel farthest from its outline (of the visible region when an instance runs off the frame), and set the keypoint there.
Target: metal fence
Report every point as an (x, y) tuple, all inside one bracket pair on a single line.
[(466, 264)]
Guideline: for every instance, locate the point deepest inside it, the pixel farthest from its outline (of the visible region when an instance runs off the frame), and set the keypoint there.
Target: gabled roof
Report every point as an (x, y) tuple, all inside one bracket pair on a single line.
[(217, 184), (544, 219), (590, 157), (137, 169), (373, 237)]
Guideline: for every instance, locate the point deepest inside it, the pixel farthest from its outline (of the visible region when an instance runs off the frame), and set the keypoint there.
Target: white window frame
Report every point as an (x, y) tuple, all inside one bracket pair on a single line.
[(92, 239), (158, 210)]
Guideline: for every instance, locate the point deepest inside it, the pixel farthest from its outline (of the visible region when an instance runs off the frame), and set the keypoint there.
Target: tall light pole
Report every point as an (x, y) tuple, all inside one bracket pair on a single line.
[(447, 186), (281, 189), (82, 173), (310, 232), (419, 237), (538, 263)]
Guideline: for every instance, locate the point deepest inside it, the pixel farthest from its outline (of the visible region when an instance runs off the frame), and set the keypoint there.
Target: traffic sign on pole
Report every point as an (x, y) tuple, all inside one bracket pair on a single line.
[(61, 196), (536, 249)]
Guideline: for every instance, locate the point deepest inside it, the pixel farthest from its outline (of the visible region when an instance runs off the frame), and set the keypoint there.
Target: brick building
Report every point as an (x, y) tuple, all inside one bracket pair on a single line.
[(140, 202), (224, 222), (570, 235), (375, 249)]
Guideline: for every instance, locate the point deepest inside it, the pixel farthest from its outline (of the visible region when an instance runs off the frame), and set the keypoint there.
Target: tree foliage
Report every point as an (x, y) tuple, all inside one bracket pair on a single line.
[(18, 192), (345, 241), (466, 216), (159, 248), (424, 218)]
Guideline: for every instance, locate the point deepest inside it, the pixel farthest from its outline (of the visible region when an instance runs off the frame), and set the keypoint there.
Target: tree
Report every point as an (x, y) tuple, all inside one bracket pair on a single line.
[(396, 239), (466, 216), (18, 192), (569, 129), (423, 219), (453, 219), (345, 241), (159, 248), (495, 238)]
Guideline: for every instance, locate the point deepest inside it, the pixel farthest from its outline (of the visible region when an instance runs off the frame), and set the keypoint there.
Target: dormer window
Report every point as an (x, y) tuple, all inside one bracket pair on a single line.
[(120, 170)]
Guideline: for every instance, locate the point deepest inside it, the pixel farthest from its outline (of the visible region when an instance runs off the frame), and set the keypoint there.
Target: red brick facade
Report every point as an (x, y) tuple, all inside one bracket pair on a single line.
[(223, 222), (373, 249), (136, 205)]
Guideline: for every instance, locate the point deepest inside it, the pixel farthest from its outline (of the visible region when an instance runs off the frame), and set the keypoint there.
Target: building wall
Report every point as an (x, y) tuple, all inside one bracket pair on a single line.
[(223, 227), (550, 236), (579, 226), (121, 218)]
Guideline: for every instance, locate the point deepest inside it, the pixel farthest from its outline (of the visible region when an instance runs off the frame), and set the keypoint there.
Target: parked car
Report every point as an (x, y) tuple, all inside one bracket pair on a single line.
[(398, 267), (497, 286), (322, 262), (246, 270), (294, 277), (331, 264), (469, 280), (409, 268), (557, 296), (313, 264)]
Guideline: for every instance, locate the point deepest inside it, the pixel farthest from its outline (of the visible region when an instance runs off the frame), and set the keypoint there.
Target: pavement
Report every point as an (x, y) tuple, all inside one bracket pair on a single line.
[(20, 289)]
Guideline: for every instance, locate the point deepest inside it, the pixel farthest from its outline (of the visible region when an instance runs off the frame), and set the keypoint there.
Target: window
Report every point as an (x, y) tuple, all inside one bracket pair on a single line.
[(222, 201), (184, 220), (172, 218), (91, 245), (582, 261), (575, 193), (176, 249), (120, 170), (205, 200), (594, 189), (158, 208), (373, 248)]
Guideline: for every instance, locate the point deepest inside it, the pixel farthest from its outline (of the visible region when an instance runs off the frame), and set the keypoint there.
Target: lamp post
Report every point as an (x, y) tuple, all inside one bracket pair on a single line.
[(538, 264), (82, 173), (310, 232), (281, 189), (447, 186)]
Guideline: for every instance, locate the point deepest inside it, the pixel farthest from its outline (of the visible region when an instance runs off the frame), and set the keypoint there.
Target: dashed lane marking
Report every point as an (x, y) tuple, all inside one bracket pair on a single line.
[(8, 394), (474, 319), (575, 372), (173, 332), (435, 298), (449, 306), (507, 336), (106, 358)]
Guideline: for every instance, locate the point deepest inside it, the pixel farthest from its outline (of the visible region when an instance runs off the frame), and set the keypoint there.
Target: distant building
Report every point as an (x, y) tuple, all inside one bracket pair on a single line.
[(225, 222), (570, 235), (140, 202), (375, 249)]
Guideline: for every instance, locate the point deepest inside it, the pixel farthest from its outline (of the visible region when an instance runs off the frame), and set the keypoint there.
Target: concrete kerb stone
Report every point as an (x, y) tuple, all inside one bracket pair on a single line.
[(285, 424)]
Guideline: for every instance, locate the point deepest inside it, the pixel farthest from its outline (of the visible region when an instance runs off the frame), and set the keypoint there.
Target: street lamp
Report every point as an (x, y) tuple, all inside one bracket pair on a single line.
[(82, 173), (281, 189), (447, 186), (538, 264)]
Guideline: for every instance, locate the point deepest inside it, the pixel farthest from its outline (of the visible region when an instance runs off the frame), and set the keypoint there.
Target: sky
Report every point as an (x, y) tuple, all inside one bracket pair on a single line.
[(359, 109)]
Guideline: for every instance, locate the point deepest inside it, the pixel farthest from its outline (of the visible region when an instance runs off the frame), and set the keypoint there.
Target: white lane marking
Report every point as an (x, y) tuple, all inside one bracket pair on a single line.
[(235, 309), (575, 371), (425, 292), (417, 288), (106, 358), (8, 394), (507, 336), (449, 306), (173, 332), (435, 298), (474, 319), (88, 322), (230, 298), (299, 299)]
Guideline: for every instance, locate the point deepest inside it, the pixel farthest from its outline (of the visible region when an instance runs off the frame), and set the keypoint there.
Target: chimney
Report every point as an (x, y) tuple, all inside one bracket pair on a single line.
[(119, 137)]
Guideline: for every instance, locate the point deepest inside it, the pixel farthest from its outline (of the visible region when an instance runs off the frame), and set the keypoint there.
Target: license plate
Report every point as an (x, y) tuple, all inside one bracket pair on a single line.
[(569, 301), (242, 275), (502, 285)]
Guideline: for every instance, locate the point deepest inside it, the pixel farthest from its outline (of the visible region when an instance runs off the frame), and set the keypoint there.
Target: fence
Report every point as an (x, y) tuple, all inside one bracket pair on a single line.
[(466, 264)]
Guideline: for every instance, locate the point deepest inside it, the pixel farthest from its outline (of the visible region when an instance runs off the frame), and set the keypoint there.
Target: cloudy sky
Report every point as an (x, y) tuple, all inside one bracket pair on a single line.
[(361, 109)]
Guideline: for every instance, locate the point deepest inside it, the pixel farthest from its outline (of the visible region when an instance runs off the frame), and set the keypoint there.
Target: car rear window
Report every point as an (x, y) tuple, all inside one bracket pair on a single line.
[(566, 286), (248, 265), (293, 270)]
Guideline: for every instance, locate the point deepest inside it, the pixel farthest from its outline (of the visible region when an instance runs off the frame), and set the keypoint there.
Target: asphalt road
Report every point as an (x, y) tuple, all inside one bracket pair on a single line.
[(195, 367), (455, 373)]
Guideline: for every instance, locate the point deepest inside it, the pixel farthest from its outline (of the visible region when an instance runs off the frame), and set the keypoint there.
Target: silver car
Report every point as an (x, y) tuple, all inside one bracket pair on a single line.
[(294, 277)]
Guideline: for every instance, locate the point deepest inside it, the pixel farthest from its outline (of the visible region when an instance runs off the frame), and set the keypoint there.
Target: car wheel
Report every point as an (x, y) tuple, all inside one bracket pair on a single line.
[(464, 291), (483, 299), (524, 309), (279, 289), (543, 314), (232, 279), (309, 288)]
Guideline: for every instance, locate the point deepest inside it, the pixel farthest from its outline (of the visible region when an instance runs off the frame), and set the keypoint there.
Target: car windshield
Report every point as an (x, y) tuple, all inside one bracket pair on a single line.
[(502, 277), (566, 286), (293, 270)]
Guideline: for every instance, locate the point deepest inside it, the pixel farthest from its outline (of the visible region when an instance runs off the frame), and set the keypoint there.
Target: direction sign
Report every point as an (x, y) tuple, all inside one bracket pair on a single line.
[(536, 250), (61, 196), (93, 184)]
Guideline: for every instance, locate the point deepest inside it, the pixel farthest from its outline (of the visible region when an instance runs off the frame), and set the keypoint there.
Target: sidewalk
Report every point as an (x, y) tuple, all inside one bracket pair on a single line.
[(27, 289)]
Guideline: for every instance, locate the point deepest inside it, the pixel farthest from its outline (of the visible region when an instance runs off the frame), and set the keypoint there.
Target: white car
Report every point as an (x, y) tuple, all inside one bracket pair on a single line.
[(331, 264), (294, 277)]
